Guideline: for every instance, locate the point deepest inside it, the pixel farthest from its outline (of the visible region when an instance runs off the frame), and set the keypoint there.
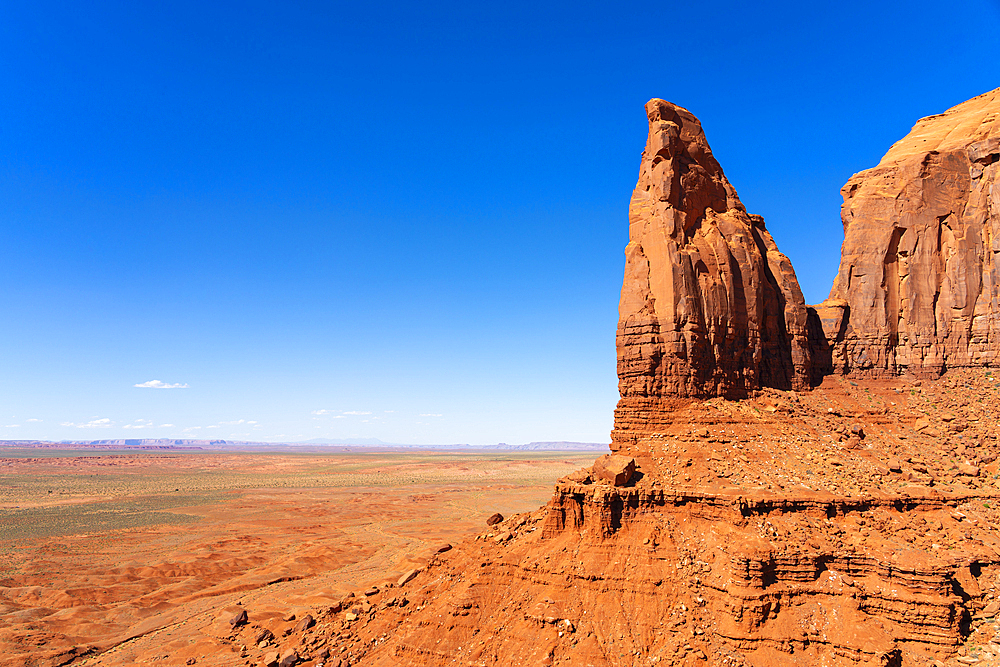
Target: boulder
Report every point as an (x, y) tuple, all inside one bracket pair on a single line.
[(238, 619), (288, 658), (614, 469), (406, 578), (307, 622), (494, 519)]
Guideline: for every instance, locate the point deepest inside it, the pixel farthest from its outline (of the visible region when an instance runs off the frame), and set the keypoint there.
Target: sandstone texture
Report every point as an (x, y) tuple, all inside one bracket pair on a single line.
[(918, 289), (709, 307)]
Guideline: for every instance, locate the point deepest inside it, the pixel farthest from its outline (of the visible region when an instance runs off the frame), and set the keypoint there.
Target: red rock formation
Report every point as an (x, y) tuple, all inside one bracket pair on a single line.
[(709, 307), (919, 284)]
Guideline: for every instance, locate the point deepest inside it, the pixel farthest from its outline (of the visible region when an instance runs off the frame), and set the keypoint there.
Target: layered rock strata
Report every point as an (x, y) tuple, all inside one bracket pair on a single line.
[(709, 306), (918, 289)]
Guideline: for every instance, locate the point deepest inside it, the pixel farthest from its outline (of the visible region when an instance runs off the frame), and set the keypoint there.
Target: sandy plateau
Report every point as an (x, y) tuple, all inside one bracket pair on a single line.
[(135, 557)]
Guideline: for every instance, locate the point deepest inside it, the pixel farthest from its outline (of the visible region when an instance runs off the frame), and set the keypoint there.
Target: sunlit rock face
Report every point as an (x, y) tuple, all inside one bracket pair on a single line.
[(709, 306), (917, 289)]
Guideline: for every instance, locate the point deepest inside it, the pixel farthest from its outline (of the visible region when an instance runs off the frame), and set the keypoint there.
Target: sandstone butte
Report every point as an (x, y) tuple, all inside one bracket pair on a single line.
[(789, 485)]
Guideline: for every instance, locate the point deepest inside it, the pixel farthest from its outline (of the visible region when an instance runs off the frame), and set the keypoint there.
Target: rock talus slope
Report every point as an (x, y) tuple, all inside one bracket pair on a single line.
[(918, 289)]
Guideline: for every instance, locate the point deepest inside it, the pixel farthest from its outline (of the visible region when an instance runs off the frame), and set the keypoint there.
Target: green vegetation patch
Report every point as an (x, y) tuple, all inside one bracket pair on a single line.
[(85, 518)]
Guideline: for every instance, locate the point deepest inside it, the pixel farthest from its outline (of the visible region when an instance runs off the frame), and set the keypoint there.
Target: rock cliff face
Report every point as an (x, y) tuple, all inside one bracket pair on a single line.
[(709, 306), (919, 284)]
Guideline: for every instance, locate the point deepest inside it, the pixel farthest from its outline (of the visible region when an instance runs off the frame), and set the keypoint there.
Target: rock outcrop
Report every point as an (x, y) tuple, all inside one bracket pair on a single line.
[(709, 306), (918, 289)]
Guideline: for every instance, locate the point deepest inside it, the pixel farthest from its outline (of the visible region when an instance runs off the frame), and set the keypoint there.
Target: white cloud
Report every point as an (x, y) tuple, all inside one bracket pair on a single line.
[(321, 412), (158, 384), (34, 420), (93, 423), (12, 426), (193, 428), (428, 414), (357, 412), (145, 423), (212, 426)]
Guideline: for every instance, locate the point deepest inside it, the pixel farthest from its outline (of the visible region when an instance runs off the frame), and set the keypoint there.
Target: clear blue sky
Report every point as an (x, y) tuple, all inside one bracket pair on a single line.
[(403, 221)]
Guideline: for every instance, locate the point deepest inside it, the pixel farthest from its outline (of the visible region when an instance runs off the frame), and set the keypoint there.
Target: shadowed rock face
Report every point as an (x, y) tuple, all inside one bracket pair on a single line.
[(917, 289), (709, 306)]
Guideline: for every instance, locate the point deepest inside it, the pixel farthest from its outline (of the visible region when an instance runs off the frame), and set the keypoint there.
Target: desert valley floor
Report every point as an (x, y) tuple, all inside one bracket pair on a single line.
[(142, 557)]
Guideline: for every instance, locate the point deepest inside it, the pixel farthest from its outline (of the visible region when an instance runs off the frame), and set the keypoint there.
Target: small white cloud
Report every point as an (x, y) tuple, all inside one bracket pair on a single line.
[(388, 411), (158, 384), (428, 414), (357, 412), (33, 420), (193, 428), (238, 421), (12, 426), (93, 423), (212, 426), (145, 423), (321, 412)]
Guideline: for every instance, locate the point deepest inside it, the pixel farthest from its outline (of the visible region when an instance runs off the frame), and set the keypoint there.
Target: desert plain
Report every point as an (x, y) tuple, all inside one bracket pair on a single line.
[(142, 557)]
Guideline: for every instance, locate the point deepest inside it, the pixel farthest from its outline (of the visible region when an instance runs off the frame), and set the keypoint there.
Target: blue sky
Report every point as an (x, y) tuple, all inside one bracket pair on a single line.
[(403, 221)]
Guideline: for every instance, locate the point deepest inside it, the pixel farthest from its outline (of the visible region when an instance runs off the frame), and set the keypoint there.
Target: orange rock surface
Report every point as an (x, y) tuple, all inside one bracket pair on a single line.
[(709, 306), (918, 289)]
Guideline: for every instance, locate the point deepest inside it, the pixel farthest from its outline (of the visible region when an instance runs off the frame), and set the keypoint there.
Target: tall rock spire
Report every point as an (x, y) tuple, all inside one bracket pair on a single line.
[(709, 306)]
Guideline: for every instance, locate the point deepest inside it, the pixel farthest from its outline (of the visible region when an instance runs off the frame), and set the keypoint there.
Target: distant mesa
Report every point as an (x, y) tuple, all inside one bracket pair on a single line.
[(316, 444)]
